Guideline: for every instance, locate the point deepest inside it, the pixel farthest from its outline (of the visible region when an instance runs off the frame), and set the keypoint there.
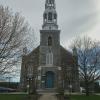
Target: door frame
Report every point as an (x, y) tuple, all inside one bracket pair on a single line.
[(50, 74)]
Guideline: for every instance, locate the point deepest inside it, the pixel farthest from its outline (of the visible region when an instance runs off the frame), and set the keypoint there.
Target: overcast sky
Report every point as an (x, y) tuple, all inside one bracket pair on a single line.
[(75, 17)]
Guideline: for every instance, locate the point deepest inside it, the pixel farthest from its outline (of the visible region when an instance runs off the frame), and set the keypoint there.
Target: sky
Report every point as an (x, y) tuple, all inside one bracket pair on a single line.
[(75, 17)]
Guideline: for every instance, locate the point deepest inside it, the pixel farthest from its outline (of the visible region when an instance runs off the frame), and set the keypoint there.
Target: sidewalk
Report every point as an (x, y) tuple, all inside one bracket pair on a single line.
[(48, 96)]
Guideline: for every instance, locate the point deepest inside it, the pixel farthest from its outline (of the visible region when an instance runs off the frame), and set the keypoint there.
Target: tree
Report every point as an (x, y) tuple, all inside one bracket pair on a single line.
[(14, 35), (88, 52)]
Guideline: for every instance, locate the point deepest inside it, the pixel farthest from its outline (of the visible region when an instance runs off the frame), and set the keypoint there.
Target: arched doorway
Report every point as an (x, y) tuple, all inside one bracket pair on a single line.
[(49, 82)]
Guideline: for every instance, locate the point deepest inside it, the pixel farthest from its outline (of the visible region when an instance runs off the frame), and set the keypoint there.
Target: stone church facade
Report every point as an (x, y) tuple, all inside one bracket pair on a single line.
[(50, 66)]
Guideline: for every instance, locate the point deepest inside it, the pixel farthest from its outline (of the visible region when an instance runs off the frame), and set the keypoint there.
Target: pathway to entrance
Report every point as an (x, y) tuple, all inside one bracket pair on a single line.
[(48, 96)]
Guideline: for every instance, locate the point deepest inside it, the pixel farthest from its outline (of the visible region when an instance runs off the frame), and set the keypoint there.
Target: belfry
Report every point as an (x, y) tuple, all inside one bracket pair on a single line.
[(50, 66), (50, 16)]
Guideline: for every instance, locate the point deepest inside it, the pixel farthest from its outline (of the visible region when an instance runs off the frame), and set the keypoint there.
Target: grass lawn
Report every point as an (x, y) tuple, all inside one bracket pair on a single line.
[(24, 97), (82, 97), (17, 97), (13, 96)]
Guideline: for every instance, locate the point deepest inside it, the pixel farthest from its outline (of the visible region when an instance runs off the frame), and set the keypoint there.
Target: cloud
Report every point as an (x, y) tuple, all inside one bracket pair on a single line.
[(80, 25), (75, 17)]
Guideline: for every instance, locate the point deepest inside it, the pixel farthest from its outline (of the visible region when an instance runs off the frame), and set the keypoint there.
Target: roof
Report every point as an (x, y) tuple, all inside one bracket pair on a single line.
[(66, 56)]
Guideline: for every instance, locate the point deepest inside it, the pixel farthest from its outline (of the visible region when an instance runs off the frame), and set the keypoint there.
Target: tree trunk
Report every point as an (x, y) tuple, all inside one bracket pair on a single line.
[(87, 88)]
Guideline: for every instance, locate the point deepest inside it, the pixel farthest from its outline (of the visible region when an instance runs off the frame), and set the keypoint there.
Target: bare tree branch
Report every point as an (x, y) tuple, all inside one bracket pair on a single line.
[(14, 36), (88, 59)]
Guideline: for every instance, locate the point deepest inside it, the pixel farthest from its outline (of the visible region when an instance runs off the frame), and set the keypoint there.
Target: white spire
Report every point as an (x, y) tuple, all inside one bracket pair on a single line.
[(50, 16), (50, 3)]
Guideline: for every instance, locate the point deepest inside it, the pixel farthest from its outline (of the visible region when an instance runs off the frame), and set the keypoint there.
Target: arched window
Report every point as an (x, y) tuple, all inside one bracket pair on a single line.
[(49, 58), (29, 70), (45, 16), (49, 41), (55, 16), (50, 16)]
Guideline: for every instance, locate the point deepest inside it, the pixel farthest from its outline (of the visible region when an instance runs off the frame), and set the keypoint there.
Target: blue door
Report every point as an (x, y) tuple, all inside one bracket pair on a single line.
[(49, 79)]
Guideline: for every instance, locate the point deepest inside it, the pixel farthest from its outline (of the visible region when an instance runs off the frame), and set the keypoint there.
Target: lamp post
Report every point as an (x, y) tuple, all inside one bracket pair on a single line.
[(9, 78), (70, 86), (30, 78)]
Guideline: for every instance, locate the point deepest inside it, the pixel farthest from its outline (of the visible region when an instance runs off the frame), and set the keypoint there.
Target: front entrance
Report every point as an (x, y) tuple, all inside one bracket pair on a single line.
[(49, 82)]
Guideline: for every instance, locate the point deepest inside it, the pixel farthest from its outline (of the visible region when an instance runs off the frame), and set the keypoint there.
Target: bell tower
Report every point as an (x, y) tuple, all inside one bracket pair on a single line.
[(50, 16), (49, 60), (50, 34)]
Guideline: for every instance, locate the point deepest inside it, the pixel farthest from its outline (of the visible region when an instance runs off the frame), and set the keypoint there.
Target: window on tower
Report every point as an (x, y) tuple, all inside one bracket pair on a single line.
[(45, 16), (49, 41), (55, 16), (50, 16)]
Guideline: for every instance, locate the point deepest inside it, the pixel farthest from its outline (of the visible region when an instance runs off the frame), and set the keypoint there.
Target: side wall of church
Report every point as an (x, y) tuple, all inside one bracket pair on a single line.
[(70, 72), (29, 65)]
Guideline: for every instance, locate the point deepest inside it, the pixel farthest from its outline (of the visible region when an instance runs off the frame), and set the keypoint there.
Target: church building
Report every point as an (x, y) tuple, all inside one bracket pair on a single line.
[(50, 66)]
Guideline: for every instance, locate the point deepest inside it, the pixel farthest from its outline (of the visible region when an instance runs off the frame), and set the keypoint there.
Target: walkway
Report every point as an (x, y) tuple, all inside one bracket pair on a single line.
[(48, 96)]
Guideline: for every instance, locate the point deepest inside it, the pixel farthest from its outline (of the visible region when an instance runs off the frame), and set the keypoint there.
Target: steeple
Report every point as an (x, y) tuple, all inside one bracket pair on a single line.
[(50, 16), (50, 3)]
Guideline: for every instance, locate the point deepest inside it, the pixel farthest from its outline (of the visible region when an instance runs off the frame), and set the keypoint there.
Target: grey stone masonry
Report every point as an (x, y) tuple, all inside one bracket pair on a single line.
[(55, 48)]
